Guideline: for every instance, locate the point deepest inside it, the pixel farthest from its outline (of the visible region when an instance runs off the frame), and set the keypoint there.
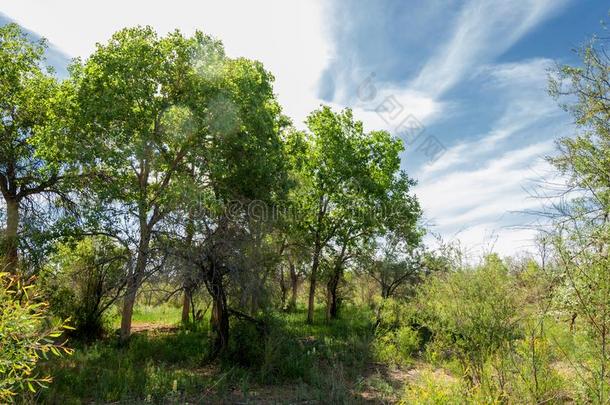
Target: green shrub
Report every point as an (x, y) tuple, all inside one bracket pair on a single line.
[(25, 337), (83, 280), (472, 314), (408, 341), (397, 347)]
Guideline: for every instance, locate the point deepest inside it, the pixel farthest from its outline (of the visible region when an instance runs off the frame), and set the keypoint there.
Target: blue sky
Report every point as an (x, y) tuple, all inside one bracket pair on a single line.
[(470, 73)]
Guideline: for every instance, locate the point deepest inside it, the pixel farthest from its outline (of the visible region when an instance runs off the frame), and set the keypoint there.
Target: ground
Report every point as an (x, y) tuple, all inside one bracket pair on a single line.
[(320, 363)]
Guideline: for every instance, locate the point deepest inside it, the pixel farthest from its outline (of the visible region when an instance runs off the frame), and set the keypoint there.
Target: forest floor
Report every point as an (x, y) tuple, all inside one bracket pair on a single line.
[(300, 363)]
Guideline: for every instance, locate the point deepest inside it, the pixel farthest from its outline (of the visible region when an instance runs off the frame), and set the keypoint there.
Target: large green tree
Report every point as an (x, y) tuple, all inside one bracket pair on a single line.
[(241, 179), (142, 105), (174, 126)]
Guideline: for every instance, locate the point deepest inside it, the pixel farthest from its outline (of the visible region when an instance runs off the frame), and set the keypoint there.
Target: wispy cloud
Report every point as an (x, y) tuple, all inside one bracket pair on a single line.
[(520, 89), (484, 30)]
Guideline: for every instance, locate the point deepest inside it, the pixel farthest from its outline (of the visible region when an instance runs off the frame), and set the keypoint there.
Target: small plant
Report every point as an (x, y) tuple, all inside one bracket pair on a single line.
[(25, 337)]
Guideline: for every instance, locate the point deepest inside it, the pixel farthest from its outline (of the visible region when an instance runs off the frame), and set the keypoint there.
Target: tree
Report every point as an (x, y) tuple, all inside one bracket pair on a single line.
[(146, 106), (346, 178), (30, 101), (83, 279), (395, 264), (238, 177), (581, 232)]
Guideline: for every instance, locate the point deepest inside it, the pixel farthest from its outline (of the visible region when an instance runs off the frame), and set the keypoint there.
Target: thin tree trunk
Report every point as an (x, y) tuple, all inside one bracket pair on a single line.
[(332, 287), (188, 291), (283, 289), (186, 306), (316, 261), (312, 285), (133, 285), (11, 239), (294, 285)]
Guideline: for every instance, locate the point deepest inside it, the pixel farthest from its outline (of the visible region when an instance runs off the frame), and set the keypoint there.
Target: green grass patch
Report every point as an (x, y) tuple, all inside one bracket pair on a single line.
[(318, 361)]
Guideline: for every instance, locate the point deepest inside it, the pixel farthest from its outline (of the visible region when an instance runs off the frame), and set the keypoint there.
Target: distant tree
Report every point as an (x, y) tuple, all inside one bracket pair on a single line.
[(83, 279), (394, 265)]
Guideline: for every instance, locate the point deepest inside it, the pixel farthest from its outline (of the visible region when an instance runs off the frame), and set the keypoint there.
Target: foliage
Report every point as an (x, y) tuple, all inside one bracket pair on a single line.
[(30, 101), (432, 388), (349, 188), (581, 223), (26, 337), (472, 314), (83, 280)]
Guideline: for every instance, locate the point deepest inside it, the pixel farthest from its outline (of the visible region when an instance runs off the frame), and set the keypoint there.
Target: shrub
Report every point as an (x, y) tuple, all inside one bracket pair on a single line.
[(25, 337), (398, 346), (408, 341), (83, 280), (472, 313)]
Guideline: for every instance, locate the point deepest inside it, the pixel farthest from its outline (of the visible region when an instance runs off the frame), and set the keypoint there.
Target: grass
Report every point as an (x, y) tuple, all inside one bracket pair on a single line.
[(293, 362), (165, 314)]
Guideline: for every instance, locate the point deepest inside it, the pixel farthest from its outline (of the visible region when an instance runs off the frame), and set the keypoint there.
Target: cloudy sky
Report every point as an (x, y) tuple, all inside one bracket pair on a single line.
[(462, 82)]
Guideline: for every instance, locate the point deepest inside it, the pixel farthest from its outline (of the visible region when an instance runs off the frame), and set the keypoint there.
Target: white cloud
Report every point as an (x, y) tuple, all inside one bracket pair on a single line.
[(473, 186), (463, 197)]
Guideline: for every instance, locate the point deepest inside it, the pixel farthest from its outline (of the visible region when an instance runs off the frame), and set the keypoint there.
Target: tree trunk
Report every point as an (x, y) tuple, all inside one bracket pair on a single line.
[(219, 320), (332, 288), (312, 285), (133, 284), (188, 289), (11, 258), (294, 285), (316, 261), (186, 306), (283, 289)]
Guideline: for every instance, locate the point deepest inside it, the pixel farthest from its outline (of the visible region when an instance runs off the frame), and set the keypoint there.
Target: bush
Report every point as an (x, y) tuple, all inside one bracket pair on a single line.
[(276, 354), (25, 337), (408, 341), (472, 314), (83, 280), (397, 347)]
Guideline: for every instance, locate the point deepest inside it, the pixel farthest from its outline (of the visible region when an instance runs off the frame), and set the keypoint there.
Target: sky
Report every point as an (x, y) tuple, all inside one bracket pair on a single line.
[(463, 83)]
